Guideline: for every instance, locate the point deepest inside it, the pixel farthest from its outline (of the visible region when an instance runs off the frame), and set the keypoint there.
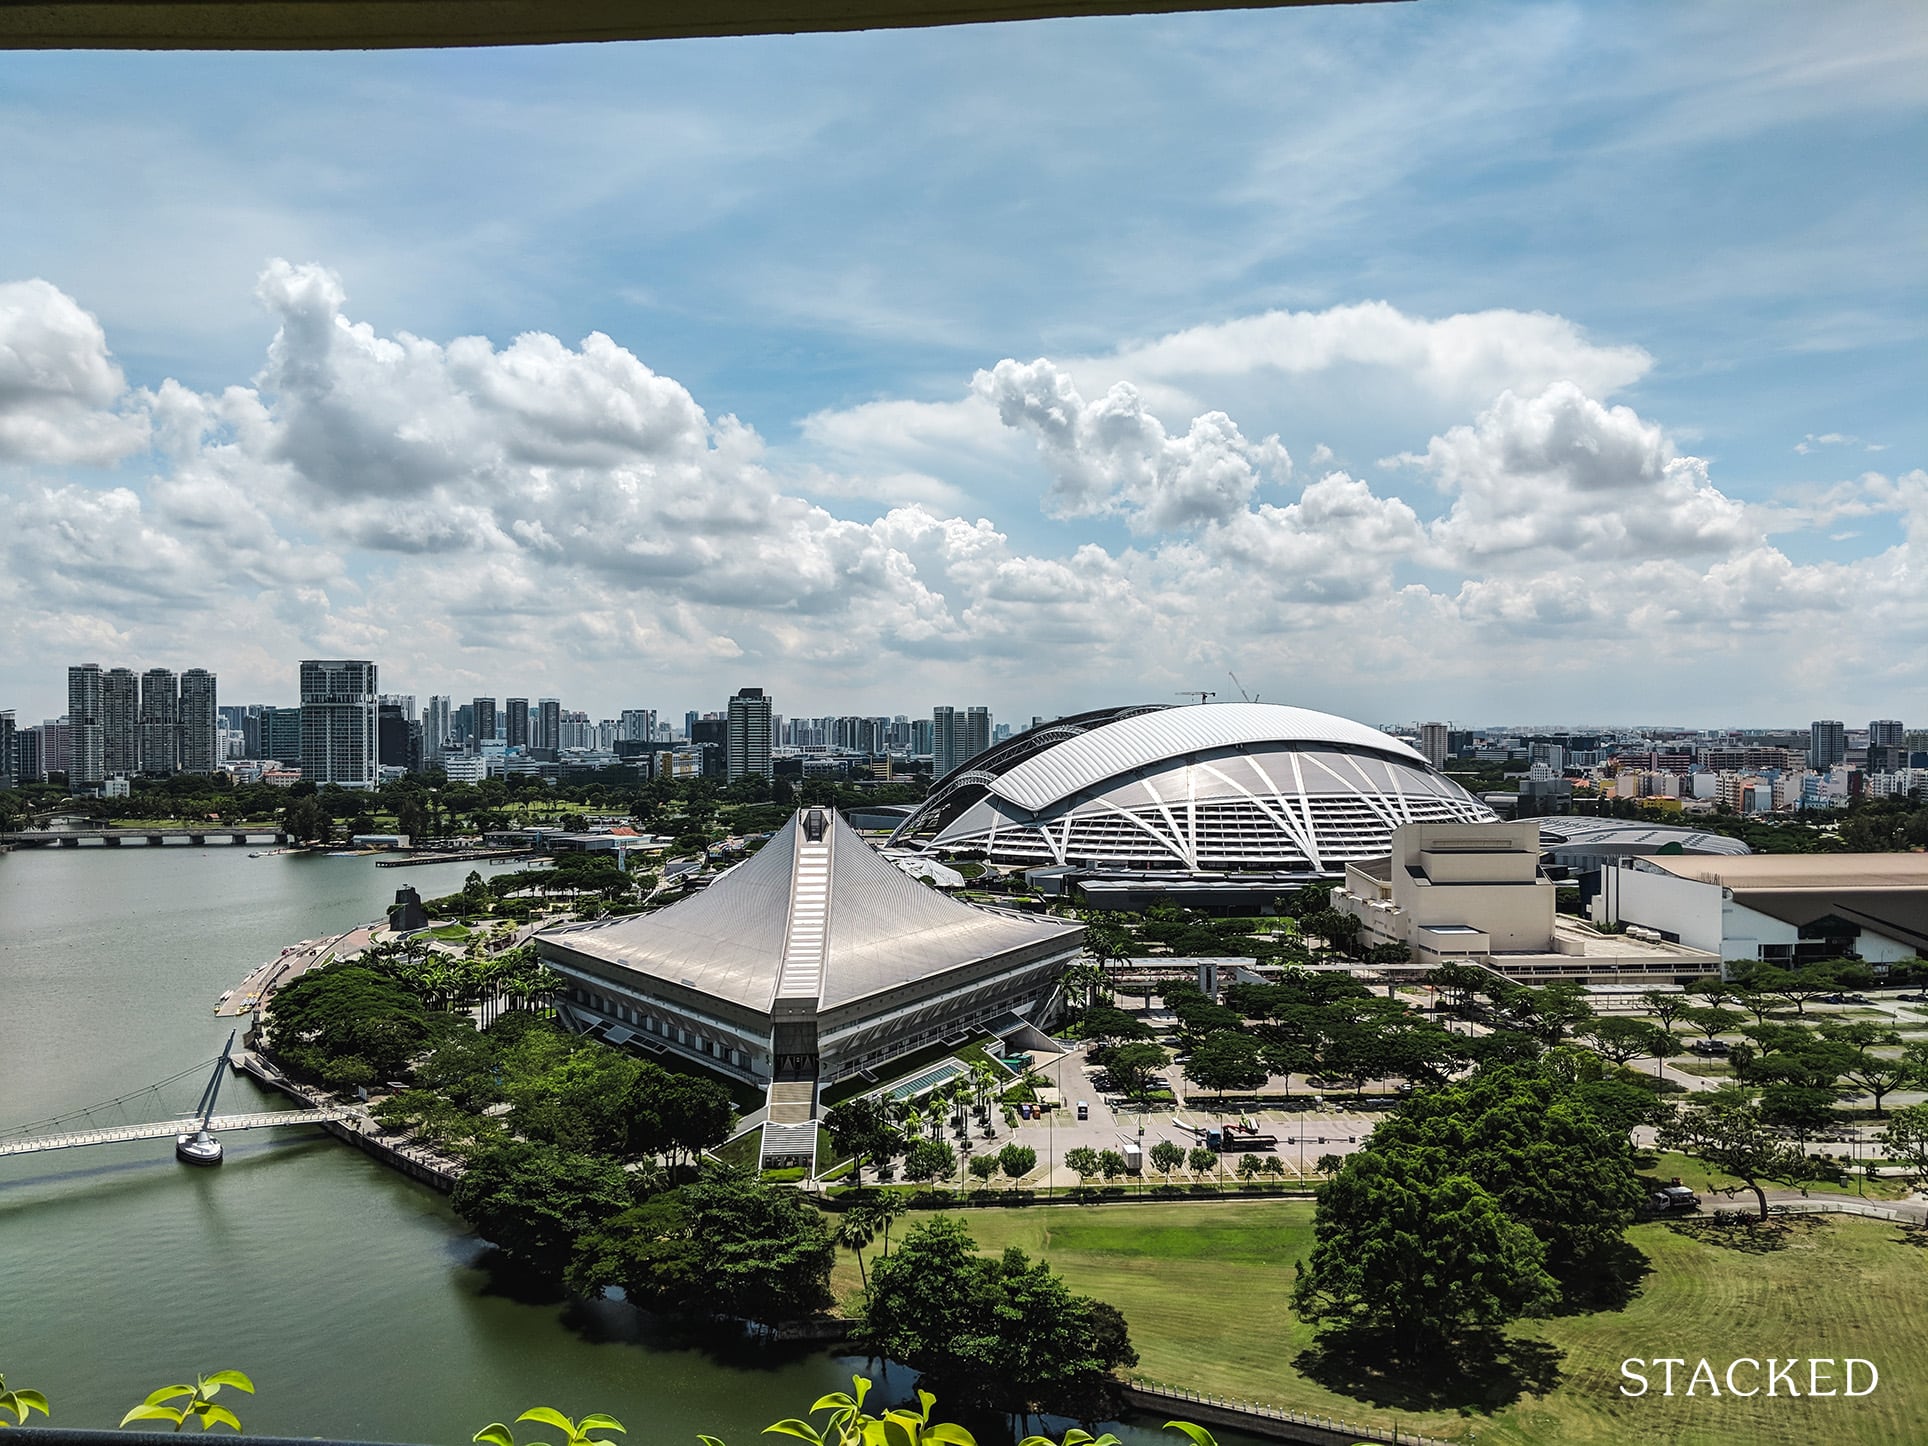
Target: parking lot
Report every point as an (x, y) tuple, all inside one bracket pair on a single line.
[(1304, 1135)]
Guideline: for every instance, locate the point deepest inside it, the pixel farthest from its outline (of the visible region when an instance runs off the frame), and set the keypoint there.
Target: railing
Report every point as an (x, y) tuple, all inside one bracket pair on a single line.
[(1147, 1393), (1838, 1207), (160, 1129)]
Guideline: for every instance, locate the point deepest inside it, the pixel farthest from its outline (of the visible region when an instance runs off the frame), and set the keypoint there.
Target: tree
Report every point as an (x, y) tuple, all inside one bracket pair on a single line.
[(1001, 1334), (1225, 1060), (1730, 1135), (1525, 1134), (1661, 1045), (1618, 1039), (1104, 1024), (1133, 1066), (535, 1202), (1167, 1157), (1712, 1020), (1017, 1161), (862, 1129), (1111, 1164), (1202, 1160), (1906, 1139), (1666, 1005), (348, 1011), (764, 1252), (1408, 1248), (1083, 1162), (305, 820), (930, 1160), (649, 1252), (983, 1167)]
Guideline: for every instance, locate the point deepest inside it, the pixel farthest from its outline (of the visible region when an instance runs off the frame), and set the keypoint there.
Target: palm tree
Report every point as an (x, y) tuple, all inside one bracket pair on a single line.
[(856, 1228)]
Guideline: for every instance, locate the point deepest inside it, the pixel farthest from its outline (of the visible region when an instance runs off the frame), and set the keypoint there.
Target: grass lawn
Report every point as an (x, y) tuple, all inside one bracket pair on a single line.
[(1206, 1290), (449, 933)]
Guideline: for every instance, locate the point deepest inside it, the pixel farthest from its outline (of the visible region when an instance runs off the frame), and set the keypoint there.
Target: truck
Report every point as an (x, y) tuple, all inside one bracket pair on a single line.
[(1134, 1154), (1228, 1139)]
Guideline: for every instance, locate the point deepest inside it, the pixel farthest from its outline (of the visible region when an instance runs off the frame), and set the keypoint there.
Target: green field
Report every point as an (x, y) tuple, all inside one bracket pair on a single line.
[(1206, 1290)]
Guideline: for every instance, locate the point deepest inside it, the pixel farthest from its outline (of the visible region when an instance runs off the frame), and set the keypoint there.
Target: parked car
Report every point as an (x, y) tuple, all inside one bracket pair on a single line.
[(1710, 1046)]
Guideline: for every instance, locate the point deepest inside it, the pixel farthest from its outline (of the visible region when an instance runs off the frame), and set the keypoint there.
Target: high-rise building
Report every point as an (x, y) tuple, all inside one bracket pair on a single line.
[(574, 730), (549, 723), (199, 713), (338, 742), (436, 728), (484, 716), (517, 735), (1886, 733), (394, 735), (281, 735), (1827, 742), (86, 730), (9, 762), (160, 727), (462, 727), (30, 753), (637, 725), (120, 720), (747, 745), (1435, 741), (689, 725), (957, 737)]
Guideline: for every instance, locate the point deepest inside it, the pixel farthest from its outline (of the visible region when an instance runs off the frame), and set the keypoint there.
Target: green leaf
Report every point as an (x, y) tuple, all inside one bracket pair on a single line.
[(948, 1433), (835, 1401), (1200, 1436), (794, 1427), (708, 1441), (211, 1415), (168, 1393), (32, 1400), (152, 1413), (236, 1379), (495, 1434), (596, 1421), (549, 1416)]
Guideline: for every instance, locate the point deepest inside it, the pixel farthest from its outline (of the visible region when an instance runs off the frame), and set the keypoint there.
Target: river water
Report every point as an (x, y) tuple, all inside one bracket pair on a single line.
[(354, 1297), (350, 1294)]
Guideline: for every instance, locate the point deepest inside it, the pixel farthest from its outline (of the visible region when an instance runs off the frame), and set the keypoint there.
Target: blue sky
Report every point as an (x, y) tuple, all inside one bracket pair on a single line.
[(1665, 466)]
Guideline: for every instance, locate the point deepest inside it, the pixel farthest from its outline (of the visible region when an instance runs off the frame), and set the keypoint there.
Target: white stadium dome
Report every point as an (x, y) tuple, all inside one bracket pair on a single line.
[(1209, 788)]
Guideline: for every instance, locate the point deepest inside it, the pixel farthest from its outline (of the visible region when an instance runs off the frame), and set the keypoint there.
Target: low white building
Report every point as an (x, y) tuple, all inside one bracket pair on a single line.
[(1785, 909), (1476, 893)]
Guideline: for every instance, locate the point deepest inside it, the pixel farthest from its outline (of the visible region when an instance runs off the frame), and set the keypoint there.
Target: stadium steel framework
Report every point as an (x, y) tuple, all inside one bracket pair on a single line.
[(1209, 788)]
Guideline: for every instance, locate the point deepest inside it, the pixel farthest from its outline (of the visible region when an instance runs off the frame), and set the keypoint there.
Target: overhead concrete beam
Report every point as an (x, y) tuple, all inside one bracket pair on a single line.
[(403, 24)]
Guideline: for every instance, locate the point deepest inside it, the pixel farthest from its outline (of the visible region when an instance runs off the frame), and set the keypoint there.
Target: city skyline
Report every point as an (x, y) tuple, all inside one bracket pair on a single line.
[(1493, 370)]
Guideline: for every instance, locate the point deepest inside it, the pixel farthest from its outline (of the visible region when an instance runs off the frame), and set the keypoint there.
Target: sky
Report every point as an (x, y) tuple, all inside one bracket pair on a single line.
[(1470, 362)]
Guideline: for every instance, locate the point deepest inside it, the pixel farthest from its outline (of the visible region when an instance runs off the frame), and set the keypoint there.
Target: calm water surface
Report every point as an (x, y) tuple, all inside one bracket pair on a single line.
[(355, 1299)]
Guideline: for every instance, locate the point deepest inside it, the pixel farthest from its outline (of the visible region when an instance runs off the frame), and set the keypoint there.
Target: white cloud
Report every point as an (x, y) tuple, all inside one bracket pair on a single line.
[(1560, 475), (569, 518), (59, 386), (1113, 455)]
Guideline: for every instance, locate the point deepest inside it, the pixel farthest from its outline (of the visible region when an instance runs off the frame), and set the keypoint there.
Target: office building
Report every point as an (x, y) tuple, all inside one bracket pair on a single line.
[(9, 759), (636, 725), (548, 724), (86, 729), (338, 740), (396, 736), (1827, 743), (517, 725), (747, 736), (1886, 733), (30, 755), (199, 712)]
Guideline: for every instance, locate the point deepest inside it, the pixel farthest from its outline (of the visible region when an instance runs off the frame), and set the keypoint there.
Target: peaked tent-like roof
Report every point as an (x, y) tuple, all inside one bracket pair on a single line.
[(880, 929)]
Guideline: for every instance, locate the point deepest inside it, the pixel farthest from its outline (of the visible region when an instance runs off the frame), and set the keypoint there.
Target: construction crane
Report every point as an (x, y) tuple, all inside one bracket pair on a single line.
[(1198, 693), (1248, 697)]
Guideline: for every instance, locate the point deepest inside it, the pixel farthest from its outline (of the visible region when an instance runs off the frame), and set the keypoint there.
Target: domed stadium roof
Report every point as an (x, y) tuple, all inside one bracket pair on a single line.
[(1213, 786)]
